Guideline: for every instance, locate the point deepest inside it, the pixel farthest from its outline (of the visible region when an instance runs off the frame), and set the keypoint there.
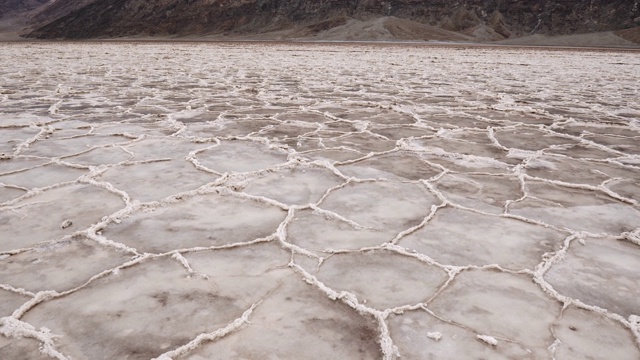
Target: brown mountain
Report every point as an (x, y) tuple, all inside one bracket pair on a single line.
[(405, 19)]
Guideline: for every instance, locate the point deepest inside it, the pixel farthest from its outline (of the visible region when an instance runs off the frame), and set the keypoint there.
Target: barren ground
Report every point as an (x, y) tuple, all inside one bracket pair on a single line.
[(288, 201)]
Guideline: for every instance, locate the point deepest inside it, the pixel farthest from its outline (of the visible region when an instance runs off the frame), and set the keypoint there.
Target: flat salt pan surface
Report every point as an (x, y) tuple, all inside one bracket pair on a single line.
[(315, 201)]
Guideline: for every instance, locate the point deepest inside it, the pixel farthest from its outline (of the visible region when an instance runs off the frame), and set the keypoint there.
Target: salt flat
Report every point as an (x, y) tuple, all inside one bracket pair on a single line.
[(314, 201)]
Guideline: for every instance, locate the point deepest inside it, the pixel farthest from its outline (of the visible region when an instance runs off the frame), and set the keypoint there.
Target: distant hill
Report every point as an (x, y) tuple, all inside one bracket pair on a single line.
[(471, 20)]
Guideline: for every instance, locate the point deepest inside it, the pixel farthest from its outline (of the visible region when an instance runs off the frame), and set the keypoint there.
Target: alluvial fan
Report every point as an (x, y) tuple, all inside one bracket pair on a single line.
[(251, 201)]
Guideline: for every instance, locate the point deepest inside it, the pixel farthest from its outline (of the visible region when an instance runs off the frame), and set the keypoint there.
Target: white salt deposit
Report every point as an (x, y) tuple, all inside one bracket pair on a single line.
[(245, 201), (488, 339)]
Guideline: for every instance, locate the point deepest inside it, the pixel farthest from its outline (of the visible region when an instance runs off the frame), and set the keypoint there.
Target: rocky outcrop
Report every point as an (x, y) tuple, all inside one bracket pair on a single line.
[(112, 18)]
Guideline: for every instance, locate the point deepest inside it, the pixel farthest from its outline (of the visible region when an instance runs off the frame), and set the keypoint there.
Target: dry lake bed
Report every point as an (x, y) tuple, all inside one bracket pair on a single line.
[(318, 201)]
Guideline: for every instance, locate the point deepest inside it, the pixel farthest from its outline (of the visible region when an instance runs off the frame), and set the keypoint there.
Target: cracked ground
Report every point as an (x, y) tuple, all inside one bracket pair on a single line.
[(291, 201)]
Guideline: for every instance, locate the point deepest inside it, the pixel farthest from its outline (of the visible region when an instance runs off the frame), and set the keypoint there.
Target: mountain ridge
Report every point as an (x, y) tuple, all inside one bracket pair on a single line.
[(471, 20)]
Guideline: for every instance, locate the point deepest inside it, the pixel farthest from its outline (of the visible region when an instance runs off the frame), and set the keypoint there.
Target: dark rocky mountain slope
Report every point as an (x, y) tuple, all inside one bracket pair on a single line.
[(17, 6), (500, 18)]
